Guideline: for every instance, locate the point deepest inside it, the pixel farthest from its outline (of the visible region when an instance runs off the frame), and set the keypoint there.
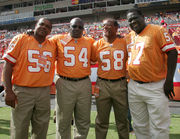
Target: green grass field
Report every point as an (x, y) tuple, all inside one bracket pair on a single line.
[(112, 133)]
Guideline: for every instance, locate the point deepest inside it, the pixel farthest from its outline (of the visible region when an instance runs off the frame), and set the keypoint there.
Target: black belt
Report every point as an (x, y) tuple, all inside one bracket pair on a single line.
[(141, 82), (112, 80), (73, 79)]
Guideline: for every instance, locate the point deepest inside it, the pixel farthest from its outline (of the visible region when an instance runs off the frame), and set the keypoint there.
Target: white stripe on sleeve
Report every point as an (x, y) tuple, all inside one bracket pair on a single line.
[(10, 58), (167, 47)]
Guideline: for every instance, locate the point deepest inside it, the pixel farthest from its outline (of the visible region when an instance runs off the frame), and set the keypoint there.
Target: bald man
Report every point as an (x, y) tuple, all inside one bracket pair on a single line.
[(73, 86)]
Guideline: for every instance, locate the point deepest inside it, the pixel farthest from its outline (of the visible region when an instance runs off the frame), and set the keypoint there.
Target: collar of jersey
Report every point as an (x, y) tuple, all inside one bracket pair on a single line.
[(67, 39), (38, 42)]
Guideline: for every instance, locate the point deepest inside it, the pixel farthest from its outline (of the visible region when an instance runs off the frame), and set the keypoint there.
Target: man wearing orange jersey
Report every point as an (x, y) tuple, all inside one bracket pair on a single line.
[(73, 86), (151, 65), (28, 73), (111, 54)]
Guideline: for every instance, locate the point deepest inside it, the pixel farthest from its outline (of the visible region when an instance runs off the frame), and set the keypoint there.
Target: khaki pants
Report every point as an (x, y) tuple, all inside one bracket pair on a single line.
[(149, 109), (33, 106), (73, 97), (112, 94)]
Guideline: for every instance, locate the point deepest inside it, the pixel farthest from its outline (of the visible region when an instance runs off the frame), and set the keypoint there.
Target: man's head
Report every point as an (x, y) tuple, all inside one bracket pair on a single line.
[(43, 27), (76, 28), (110, 27), (136, 20)]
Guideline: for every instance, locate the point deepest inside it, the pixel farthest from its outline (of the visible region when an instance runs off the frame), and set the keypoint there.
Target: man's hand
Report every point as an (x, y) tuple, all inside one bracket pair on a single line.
[(10, 98), (169, 89)]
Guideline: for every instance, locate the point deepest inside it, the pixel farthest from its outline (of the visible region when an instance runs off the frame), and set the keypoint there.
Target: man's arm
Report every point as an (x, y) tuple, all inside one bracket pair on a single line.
[(171, 66), (10, 97)]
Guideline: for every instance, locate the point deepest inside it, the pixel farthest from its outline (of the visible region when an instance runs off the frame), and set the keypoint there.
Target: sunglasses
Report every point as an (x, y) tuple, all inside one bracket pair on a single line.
[(76, 26)]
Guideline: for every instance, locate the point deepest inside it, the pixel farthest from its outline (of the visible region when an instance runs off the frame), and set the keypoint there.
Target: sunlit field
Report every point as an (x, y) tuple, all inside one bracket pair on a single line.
[(112, 132)]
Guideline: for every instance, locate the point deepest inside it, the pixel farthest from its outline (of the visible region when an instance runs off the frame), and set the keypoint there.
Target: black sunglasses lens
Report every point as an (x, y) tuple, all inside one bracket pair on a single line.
[(75, 26)]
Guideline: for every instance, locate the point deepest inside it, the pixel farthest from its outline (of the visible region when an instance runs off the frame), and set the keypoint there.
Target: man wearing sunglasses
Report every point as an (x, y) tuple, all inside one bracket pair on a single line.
[(73, 86)]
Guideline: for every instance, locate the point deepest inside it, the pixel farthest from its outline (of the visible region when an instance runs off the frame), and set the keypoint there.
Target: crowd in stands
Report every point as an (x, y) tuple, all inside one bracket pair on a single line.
[(169, 20)]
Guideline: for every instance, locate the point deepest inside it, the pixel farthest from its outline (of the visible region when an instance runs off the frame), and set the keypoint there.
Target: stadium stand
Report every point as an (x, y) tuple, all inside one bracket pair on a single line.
[(95, 30)]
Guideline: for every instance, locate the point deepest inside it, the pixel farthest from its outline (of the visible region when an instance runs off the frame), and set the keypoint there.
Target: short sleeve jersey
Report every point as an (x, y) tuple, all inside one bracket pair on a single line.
[(73, 55), (111, 58), (33, 62), (147, 59)]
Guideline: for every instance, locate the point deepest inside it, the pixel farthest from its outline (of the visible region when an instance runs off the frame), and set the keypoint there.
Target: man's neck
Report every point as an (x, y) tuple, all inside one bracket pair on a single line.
[(110, 39), (141, 29), (39, 39)]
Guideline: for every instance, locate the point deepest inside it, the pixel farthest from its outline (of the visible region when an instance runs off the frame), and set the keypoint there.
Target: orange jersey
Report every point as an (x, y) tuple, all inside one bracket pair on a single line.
[(73, 55), (33, 62), (111, 58), (147, 60)]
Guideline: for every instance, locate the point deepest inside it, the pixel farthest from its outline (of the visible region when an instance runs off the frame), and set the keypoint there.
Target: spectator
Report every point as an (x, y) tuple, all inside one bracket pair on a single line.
[(163, 23), (176, 36)]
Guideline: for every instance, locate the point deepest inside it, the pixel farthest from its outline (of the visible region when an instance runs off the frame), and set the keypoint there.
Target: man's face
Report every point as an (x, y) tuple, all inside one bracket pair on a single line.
[(109, 29), (136, 22), (43, 27), (76, 28)]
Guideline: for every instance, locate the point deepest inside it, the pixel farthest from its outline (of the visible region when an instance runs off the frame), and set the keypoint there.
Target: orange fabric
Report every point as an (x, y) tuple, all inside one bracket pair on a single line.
[(111, 58), (33, 63), (147, 53), (73, 55)]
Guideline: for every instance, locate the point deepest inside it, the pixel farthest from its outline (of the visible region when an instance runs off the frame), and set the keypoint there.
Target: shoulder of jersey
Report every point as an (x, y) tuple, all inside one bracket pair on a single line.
[(122, 39), (155, 26), (99, 42), (21, 36), (119, 36), (130, 33), (127, 36), (89, 38), (57, 36)]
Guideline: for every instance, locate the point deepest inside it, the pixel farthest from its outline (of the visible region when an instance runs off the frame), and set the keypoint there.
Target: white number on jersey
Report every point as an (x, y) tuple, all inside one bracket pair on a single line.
[(37, 68), (116, 67), (139, 46), (12, 44), (82, 56), (83, 59), (48, 63), (107, 61), (71, 56), (167, 36), (116, 60)]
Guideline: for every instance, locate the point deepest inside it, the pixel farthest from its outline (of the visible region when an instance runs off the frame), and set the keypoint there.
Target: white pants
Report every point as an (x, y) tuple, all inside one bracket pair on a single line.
[(149, 109)]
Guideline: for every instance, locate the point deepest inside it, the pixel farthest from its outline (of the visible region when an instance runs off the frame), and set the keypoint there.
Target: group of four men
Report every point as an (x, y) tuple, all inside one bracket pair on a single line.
[(29, 71)]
